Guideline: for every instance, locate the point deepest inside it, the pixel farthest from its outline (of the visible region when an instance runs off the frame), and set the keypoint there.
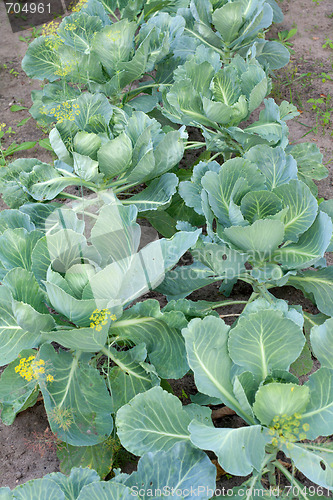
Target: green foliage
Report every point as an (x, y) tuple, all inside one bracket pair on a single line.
[(246, 367), (87, 282), (256, 211)]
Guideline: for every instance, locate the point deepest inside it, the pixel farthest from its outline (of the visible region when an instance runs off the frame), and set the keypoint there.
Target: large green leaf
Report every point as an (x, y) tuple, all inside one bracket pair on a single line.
[(277, 399), (75, 482), (322, 343), (257, 343), (182, 469), (228, 20), (272, 54), (79, 30), (157, 195), (206, 344), (302, 208), (131, 375), (77, 401), (315, 463), (239, 451), (16, 247), (153, 421), (15, 219), (319, 412), (41, 61), (309, 163), (45, 182), (98, 457), (39, 488), (318, 286), (259, 240), (13, 338), (52, 217), (310, 246), (114, 44), (183, 280), (120, 240), (115, 156), (105, 491), (144, 322), (16, 393), (28, 303)]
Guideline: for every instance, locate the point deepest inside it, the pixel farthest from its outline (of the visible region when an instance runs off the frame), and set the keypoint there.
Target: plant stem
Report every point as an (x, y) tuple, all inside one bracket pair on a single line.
[(228, 303), (291, 478)]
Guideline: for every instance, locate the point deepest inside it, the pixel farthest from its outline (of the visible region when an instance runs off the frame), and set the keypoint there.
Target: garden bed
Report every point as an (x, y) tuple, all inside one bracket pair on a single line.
[(27, 448)]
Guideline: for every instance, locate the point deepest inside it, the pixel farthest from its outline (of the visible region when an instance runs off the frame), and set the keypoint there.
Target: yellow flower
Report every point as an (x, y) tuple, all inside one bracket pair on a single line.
[(286, 429), (100, 317), (30, 368), (2, 126), (78, 6)]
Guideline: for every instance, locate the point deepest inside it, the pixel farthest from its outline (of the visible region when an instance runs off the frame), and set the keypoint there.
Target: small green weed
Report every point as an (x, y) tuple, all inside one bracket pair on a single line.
[(328, 43), (284, 36), (323, 106)]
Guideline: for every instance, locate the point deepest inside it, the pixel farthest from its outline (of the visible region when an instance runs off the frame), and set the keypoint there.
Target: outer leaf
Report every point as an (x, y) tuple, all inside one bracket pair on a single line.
[(14, 219), (152, 421), (157, 195), (276, 399), (322, 343), (72, 485), (302, 208), (309, 248), (41, 61), (239, 451), (13, 338), (105, 491), (319, 412), (98, 457), (318, 286), (144, 322), (78, 31), (259, 239), (206, 345), (181, 468), (39, 488), (16, 247), (258, 343), (16, 393), (183, 280), (315, 464), (309, 163), (131, 376), (77, 401)]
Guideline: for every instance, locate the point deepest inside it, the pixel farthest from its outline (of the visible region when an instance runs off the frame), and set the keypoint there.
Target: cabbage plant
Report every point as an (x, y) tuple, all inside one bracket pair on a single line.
[(101, 147), (91, 50), (236, 26), (257, 212), (71, 277), (217, 99), (246, 367)]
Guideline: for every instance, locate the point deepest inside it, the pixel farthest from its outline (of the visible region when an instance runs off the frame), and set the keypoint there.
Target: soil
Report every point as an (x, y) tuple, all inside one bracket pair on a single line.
[(25, 447)]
